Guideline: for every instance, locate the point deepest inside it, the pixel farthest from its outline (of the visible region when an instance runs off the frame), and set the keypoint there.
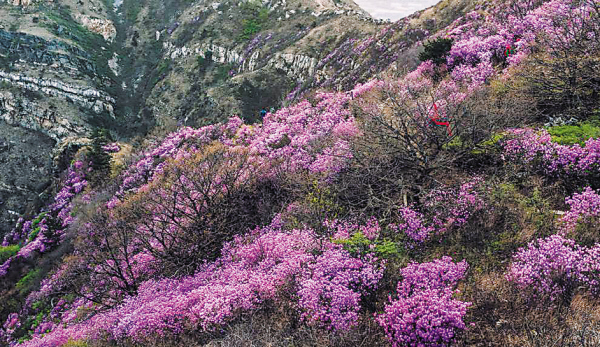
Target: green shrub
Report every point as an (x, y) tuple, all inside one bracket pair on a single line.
[(257, 17), (361, 245), (436, 50), (28, 280), (98, 156), (491, 144), (574, 134), (34, 233), (250, 27), (221, 73), (7, 252)]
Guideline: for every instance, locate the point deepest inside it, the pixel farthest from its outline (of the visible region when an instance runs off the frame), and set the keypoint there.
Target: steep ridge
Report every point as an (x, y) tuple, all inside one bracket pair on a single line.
[(426, 206), (235, 57)]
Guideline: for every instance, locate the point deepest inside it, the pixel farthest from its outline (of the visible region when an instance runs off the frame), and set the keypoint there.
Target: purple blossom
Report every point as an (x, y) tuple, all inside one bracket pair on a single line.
[(253, 269), (535, 147), (425, 312), (111, 147)]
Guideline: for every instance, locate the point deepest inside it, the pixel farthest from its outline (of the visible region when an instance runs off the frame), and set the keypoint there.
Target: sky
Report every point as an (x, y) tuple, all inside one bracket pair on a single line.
[(394, 9)]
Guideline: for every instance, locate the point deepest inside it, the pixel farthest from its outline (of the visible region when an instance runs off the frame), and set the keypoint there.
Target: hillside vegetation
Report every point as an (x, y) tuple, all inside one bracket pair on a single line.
[(444, 205)]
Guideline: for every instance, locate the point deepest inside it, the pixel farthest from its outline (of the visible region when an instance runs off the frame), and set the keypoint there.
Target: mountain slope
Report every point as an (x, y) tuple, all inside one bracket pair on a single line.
[(429, 205)]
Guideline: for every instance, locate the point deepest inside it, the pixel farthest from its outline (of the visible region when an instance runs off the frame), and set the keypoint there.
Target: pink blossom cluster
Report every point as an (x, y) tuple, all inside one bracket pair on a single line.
[(555, 266), (413, 225), (174, 145), (12, 323), (299, 137), (327, 290), (560, 19), (343, 230), (584, 207), (111, 147), (482, 37), (536, 147), (425, 312), (443, 209), (454, 207), (260, 267)]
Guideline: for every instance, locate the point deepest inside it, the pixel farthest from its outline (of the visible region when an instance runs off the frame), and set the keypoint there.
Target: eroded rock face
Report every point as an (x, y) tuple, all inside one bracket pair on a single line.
[(18, 111), (22, 2), (104, 27), (51, 92), (89, 98), (26, 171), (297, 66), (53, 54)]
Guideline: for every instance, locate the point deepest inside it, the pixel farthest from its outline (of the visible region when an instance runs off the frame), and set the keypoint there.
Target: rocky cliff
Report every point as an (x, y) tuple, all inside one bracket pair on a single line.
[(55, 85)]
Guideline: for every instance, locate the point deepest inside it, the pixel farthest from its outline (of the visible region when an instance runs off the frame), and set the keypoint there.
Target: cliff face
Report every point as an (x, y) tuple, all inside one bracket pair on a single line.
[(209, 60), (55, 85)]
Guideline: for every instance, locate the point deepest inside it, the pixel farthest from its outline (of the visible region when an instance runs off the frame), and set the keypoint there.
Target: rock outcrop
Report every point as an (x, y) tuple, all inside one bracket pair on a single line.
[(89, 98), (104, 27), (53, 89), (297, 66), (53, 54)]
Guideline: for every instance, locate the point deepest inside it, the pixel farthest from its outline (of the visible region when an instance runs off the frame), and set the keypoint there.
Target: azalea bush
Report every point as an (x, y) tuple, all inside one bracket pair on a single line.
[(384, 177), (195, 204), (564, 73), (49, 229), (535, 147), (414, 129), (425, 312), (255, 269), (581, 220), (554, 268)]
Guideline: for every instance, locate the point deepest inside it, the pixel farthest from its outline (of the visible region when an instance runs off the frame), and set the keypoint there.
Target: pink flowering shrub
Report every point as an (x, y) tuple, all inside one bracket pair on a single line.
[(554, 267), (413, 225), (437, 274), (529, 146), (443, 209), (303, 136), (425, 312), (111, 147), (253, 270), (548, 266), (328, 292), (49, 229), (566, 73), (584, 208), (343, 230)]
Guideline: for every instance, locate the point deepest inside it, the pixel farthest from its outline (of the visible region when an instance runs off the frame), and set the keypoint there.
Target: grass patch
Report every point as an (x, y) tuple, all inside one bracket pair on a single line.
[(25, 283), (7, 252), (575, 134)]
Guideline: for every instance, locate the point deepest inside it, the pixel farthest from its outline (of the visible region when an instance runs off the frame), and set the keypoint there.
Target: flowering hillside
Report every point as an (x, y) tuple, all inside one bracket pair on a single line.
[(430, 209)]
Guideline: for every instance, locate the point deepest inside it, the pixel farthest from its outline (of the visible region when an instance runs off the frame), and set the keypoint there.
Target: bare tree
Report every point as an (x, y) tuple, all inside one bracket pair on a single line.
[(196, 204), (564, 73), (412, 133)]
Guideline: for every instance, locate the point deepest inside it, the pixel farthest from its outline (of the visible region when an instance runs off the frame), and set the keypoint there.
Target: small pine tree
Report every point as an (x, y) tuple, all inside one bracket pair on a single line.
[(436, 50), (99, 158)]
